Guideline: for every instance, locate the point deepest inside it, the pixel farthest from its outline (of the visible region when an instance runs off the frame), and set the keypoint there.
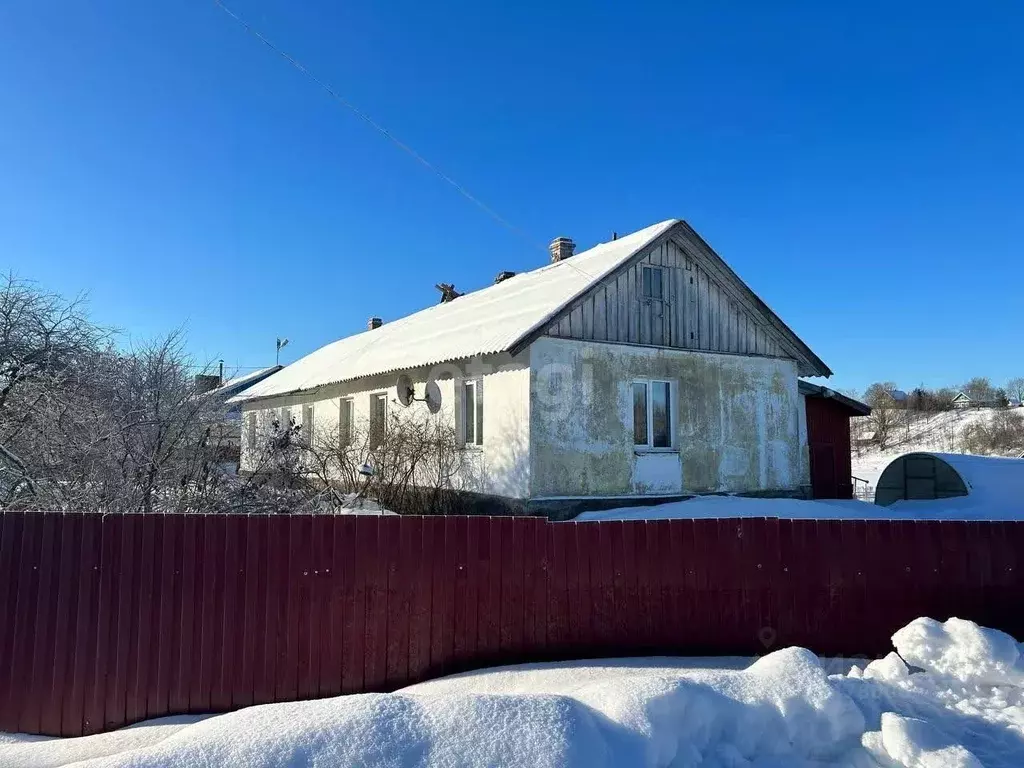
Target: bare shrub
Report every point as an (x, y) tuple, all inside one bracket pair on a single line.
[(1002, 435), (415, 467)]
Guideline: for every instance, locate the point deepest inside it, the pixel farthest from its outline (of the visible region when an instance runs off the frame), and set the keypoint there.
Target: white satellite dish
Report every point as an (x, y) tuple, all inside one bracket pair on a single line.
[(406, 393), (432, 394)]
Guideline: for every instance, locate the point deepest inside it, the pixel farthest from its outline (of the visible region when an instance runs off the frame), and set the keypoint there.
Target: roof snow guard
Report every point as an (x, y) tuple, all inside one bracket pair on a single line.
[(988, 482), (503, 317)]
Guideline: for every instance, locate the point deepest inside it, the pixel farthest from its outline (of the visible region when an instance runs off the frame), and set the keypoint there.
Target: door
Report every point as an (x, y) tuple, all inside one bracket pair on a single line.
[(824, 483)]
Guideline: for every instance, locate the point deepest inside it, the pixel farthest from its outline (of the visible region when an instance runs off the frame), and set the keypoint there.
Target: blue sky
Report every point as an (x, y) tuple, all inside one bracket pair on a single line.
[(861, 167)]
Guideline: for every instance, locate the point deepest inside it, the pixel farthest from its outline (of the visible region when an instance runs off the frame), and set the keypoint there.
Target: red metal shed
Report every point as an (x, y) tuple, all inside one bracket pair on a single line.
[(828, 439)]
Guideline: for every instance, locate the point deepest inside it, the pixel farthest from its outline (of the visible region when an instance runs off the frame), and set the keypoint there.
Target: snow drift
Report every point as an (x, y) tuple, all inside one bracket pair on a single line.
[(958, 703)]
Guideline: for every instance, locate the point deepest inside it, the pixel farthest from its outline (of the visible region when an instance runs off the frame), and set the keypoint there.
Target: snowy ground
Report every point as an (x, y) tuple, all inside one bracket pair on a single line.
[(797, 509), (960, 703)]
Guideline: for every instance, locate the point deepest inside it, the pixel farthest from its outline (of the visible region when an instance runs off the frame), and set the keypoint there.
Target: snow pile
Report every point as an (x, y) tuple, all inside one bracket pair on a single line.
[(962, 650), (959, 704)]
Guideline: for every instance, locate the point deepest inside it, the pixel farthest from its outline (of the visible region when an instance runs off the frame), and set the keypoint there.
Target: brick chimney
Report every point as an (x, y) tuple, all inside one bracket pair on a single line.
[(374, 322), (561, 248)]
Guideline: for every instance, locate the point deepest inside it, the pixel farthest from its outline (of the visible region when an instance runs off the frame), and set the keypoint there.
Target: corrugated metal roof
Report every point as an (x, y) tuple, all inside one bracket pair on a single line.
[(493, 319)]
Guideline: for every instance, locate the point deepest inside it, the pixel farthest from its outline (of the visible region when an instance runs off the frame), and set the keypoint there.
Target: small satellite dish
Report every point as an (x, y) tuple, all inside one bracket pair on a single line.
[(432, 394), (406, 393), (366, 470)]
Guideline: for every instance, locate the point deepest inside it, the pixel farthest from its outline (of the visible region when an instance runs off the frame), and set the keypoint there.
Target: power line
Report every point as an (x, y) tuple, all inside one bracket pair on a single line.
[(374, 124), (386, 133)]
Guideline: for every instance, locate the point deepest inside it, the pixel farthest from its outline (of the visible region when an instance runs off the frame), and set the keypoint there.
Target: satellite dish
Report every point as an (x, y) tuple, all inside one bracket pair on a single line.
[(432, 394), (406, 394)]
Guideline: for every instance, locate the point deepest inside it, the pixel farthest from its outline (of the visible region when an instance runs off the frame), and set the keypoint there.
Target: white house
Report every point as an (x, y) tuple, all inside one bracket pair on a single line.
[(641, 367)]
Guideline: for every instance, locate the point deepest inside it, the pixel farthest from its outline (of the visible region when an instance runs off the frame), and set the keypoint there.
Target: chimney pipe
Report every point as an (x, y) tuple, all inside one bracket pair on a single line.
[(561, 248), (503, 276), (374, 322)]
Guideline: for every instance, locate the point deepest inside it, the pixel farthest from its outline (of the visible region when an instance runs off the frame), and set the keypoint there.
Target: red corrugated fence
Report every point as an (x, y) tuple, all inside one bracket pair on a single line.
[(110, 620)]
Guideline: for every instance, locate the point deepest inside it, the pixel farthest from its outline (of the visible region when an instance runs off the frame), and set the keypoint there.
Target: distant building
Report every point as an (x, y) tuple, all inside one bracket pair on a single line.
[(229, 427), (962, 400)]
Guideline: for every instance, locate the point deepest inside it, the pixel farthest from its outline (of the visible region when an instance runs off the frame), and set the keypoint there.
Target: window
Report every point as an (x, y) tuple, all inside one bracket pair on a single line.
[(345, 422), (472, 413), (653, 283), (307, 423), (652, 414), (378, 413)]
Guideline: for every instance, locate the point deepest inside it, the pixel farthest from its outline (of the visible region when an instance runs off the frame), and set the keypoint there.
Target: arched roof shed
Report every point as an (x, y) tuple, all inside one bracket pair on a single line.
[(984, 480)]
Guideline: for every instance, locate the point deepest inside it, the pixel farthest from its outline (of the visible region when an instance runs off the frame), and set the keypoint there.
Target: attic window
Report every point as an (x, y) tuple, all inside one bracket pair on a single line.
[(653, 283)]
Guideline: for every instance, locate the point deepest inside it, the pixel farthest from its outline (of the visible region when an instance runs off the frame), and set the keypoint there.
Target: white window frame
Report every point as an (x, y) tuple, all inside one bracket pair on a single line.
[(649, 447), (478, 424)]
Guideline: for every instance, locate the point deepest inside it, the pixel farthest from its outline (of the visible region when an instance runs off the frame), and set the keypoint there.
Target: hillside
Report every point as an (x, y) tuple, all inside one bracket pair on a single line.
[(943, 431)]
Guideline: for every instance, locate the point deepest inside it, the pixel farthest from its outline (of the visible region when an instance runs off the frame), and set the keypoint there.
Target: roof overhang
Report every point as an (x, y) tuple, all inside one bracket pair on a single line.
[(855, 407)]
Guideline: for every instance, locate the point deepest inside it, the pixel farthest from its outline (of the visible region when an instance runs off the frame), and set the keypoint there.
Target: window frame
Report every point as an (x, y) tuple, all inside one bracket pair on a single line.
[(476, 418), (649, 446), (345, 425), (308, 409), (377, 440), (250, 430), (651, 269)]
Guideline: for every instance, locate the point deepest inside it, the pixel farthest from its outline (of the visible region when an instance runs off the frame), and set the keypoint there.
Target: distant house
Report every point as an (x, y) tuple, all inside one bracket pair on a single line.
[(229, 426), (643, 367), (962, 400)]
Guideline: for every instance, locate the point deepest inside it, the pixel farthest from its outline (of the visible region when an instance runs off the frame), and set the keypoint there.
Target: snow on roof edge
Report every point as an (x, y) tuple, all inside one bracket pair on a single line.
[(606, 257)]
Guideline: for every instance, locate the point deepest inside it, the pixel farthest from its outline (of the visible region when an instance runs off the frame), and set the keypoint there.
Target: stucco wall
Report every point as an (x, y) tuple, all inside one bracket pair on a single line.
[(500, 466), (738, 425)]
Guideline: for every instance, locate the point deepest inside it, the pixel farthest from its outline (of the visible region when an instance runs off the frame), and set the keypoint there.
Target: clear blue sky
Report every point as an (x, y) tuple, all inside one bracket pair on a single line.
[(861, 167)]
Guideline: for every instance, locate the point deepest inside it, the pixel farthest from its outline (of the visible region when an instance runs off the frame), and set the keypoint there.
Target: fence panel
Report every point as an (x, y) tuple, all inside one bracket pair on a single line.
[(115, 619)]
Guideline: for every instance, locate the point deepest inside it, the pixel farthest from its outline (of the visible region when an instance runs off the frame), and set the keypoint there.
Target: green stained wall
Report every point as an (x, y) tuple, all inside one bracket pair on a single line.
[(738, 423)]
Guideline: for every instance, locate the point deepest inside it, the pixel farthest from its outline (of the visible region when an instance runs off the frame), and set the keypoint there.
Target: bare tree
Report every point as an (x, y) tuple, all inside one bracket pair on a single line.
[(48, 356), (1015, 387), (979, 389)]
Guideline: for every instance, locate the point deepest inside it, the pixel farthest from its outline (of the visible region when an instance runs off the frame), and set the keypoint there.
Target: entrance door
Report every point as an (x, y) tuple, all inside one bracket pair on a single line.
[(824, 484)]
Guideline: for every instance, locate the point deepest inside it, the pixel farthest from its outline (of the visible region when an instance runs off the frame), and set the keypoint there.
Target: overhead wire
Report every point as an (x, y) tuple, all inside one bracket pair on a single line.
[(366, 118)]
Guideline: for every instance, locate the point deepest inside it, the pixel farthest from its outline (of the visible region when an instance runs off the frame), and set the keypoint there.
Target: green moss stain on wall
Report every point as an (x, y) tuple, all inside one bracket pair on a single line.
[(736, 419)]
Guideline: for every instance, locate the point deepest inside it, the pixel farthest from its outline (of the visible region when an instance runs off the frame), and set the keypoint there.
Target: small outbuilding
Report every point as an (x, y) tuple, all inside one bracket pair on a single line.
[(828, 415), (983, 480)]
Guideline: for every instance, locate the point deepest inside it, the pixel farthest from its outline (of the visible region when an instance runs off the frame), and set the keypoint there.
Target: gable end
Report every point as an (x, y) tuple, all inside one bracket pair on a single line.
[(695, 302)]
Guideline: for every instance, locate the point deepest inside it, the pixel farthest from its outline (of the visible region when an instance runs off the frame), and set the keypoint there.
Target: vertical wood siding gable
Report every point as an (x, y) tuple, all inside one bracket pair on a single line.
[(698, 311)]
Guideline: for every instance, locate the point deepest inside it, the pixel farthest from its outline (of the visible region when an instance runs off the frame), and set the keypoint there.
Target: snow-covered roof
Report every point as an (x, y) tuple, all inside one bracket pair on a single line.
[(494, 319), (989, 479), (490, 320), (239, 383)]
